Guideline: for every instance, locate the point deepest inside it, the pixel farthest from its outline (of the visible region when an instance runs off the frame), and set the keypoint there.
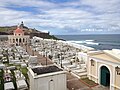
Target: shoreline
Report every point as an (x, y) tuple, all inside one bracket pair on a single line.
[(98, 42)]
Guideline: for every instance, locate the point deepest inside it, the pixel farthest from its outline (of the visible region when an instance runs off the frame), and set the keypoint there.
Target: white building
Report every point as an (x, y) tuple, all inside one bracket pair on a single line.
[(18, 38), (47, 78), (104, 68)]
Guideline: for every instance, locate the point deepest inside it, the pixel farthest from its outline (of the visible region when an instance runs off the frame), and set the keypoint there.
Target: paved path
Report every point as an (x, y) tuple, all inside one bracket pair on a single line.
[(73, 83), (100, 87)]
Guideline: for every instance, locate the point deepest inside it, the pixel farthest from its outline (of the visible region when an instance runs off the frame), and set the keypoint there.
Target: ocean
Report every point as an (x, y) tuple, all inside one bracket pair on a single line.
[(99, 42)]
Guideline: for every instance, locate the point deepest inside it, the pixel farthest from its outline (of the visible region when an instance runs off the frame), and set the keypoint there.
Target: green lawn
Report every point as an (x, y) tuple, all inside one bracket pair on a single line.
[(4, 29), (24, 71)]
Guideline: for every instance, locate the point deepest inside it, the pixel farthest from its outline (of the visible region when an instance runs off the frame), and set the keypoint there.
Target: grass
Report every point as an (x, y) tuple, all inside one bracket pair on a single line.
[(88, 82), (1, 29), (4, 29), (1, 80), (24, 71)]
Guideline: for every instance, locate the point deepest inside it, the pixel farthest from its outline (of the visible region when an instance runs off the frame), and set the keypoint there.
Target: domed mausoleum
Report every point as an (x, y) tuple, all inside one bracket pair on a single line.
[(18, 38)]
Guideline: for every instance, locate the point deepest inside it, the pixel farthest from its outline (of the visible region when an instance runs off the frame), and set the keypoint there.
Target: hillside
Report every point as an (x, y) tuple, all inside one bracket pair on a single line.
[(8, 30)]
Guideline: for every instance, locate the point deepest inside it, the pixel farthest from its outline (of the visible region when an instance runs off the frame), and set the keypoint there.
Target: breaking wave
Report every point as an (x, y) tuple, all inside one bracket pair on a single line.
[(85, 42)]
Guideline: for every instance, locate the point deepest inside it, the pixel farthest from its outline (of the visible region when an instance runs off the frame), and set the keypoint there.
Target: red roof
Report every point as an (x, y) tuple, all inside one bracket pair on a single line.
[(18, 30)]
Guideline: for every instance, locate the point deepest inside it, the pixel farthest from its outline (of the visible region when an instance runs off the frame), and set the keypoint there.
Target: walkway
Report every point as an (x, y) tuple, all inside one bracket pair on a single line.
[(100, 87), (73, 83)]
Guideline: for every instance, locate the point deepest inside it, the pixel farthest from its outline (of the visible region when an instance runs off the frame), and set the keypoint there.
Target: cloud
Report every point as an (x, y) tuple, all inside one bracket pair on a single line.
[(67, 16), (10, 17), (103, 5), (28, 3)]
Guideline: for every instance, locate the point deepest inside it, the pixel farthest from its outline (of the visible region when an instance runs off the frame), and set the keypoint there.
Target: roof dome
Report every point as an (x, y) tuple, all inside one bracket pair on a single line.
[(18, 30)]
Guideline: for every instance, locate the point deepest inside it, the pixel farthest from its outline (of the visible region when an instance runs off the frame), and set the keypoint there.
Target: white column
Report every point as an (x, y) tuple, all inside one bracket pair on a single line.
[(89, 68), (113, 79), (97, 71), (12, 40), (22, 40)]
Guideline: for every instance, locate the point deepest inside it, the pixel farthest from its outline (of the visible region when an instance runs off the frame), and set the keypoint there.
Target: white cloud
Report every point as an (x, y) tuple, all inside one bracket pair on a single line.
[(103, 5), (10, 17), (72, 16)]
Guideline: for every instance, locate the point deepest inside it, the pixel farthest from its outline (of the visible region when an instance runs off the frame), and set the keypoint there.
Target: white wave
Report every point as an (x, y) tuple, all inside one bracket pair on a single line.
[(84, 42), (89, 40), (92, 43), (77, 41)]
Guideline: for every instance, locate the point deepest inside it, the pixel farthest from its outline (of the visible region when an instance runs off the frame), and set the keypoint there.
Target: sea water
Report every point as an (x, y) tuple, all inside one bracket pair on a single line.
[(101, 42)]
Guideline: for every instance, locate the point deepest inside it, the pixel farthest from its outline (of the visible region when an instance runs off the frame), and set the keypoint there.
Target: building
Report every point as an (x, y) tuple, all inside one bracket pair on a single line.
[(47, 78), (18, 38), (104, 68)]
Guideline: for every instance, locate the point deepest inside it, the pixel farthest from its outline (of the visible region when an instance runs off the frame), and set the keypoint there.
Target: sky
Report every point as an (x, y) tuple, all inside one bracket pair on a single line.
[(63, 17)]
